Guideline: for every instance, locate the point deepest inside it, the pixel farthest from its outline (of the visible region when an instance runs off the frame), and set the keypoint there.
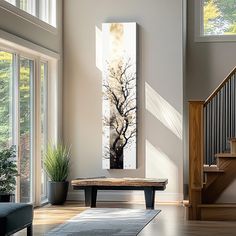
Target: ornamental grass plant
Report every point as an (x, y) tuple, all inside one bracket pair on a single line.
[(57, 162)]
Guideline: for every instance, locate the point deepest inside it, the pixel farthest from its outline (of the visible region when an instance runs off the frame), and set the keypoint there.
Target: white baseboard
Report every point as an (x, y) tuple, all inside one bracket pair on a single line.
[(121, 196)]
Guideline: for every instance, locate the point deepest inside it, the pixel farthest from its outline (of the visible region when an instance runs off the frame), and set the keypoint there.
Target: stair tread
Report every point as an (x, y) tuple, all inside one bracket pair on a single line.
[(220, 205), (232, 139), (212, 168), (233, 155)]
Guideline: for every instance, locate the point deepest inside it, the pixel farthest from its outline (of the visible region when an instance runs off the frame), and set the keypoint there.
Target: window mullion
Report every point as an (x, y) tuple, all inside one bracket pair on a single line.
[(15, 117), (45, 121), (37, 8), (17, 4), (37, 134)]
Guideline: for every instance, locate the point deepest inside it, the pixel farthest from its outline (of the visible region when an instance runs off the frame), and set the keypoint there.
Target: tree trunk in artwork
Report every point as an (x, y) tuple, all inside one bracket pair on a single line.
[(117, 154)]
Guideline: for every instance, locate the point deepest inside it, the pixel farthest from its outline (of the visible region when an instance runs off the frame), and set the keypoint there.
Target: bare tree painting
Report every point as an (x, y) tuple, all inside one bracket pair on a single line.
[(119, 103)]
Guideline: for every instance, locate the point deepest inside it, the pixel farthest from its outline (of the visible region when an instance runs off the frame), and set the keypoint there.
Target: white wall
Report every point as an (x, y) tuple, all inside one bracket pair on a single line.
[(160, 88)]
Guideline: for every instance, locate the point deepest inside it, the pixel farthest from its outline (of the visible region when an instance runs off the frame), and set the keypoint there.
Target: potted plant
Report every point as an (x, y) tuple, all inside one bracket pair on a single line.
[(8, 173), (56, 165)]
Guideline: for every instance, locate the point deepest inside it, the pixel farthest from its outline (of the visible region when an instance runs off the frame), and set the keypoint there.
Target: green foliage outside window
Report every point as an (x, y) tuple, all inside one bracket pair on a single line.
[(8, 170), (5, 97), (219, 17)]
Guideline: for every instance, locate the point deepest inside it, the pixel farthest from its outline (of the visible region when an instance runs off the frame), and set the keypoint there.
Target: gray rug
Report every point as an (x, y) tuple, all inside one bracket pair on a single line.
[(106, 222)]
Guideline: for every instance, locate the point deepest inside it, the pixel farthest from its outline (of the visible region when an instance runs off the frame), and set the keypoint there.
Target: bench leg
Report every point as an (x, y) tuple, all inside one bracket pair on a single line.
[(90, 196), (30, 230), (149, 197)]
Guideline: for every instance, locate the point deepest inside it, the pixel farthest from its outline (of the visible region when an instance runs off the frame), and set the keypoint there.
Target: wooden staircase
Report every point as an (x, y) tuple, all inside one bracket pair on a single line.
[(205, 189), (212, 123), (224, 174)]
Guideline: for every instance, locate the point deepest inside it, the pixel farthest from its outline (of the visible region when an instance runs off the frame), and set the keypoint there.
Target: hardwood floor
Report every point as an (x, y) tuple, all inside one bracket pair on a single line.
[(170, 222)]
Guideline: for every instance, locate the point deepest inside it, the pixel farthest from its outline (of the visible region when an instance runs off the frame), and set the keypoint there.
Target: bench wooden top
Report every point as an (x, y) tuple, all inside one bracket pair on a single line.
[(132, 182)]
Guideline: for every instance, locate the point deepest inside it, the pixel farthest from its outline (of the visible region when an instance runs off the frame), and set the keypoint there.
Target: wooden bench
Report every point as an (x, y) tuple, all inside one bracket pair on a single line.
[(91, 185)]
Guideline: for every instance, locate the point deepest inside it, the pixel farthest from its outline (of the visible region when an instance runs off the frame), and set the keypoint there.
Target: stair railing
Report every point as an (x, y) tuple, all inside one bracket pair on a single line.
[(211, 124), (220, 118)]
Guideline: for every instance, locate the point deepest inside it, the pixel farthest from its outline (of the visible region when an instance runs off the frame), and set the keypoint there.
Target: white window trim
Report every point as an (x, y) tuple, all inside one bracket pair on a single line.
[(17, 43), (28, 17), (199, 30)]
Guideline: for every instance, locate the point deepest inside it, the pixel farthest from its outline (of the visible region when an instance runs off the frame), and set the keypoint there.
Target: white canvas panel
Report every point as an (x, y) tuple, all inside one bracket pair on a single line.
[(119, 95)]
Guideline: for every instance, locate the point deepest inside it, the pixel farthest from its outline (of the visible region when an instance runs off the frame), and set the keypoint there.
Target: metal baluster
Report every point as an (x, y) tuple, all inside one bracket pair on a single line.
[(210, 126), (233, 106), (230, 111), (218, 124), (208, 133), (224, 118), (205, 133), (228, 114), (221, 120), (212, 130)]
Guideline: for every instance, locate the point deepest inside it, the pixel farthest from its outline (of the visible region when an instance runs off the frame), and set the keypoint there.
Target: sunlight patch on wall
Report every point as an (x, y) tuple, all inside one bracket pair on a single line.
[(98, 47), (159, 165), (163, 111)]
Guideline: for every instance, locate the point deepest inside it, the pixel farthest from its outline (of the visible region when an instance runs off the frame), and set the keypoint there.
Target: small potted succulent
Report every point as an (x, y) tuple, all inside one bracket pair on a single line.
[(8, 173), (56, 165)]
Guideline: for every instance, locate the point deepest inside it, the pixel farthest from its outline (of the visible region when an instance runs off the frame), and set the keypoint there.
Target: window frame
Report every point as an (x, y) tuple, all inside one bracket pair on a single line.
[(34, 19), (35, 181), (16, 45), (199, 27)]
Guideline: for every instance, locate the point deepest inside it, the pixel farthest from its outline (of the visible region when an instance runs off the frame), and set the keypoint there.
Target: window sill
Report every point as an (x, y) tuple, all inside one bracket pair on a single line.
[(28, 17), (215, 38)]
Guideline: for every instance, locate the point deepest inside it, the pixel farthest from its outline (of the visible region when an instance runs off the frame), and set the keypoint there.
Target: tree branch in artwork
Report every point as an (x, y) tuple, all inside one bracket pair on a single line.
[(120, 91)]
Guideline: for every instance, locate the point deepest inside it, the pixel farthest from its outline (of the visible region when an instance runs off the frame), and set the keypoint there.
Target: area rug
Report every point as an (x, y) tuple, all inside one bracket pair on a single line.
[(106, 222)]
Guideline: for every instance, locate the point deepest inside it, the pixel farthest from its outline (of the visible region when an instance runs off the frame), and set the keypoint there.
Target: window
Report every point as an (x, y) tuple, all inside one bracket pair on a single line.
[(23, 115), (45, 10), (216, 20)]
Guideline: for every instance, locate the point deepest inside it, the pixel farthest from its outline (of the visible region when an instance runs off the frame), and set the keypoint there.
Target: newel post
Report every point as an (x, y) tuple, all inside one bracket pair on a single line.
[(196, 138)]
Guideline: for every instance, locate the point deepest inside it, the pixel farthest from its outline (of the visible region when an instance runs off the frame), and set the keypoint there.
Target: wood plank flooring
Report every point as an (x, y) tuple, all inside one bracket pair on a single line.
[(170, 222)]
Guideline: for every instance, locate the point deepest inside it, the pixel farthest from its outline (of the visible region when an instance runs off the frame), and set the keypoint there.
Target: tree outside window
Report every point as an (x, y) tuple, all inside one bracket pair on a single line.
[(219, 17)]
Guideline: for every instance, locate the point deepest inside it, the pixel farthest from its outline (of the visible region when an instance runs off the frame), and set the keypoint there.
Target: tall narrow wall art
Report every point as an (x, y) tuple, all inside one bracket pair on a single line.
[(119, 95)]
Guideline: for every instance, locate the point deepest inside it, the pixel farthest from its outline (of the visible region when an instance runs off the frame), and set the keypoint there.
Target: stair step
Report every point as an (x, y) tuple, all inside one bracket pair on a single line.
[(218, 205), (211, 168), (225, 212), (222, 155)]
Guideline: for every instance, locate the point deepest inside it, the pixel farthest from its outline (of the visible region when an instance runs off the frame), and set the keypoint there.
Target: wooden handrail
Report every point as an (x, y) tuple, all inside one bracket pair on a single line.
[(228, 77)]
